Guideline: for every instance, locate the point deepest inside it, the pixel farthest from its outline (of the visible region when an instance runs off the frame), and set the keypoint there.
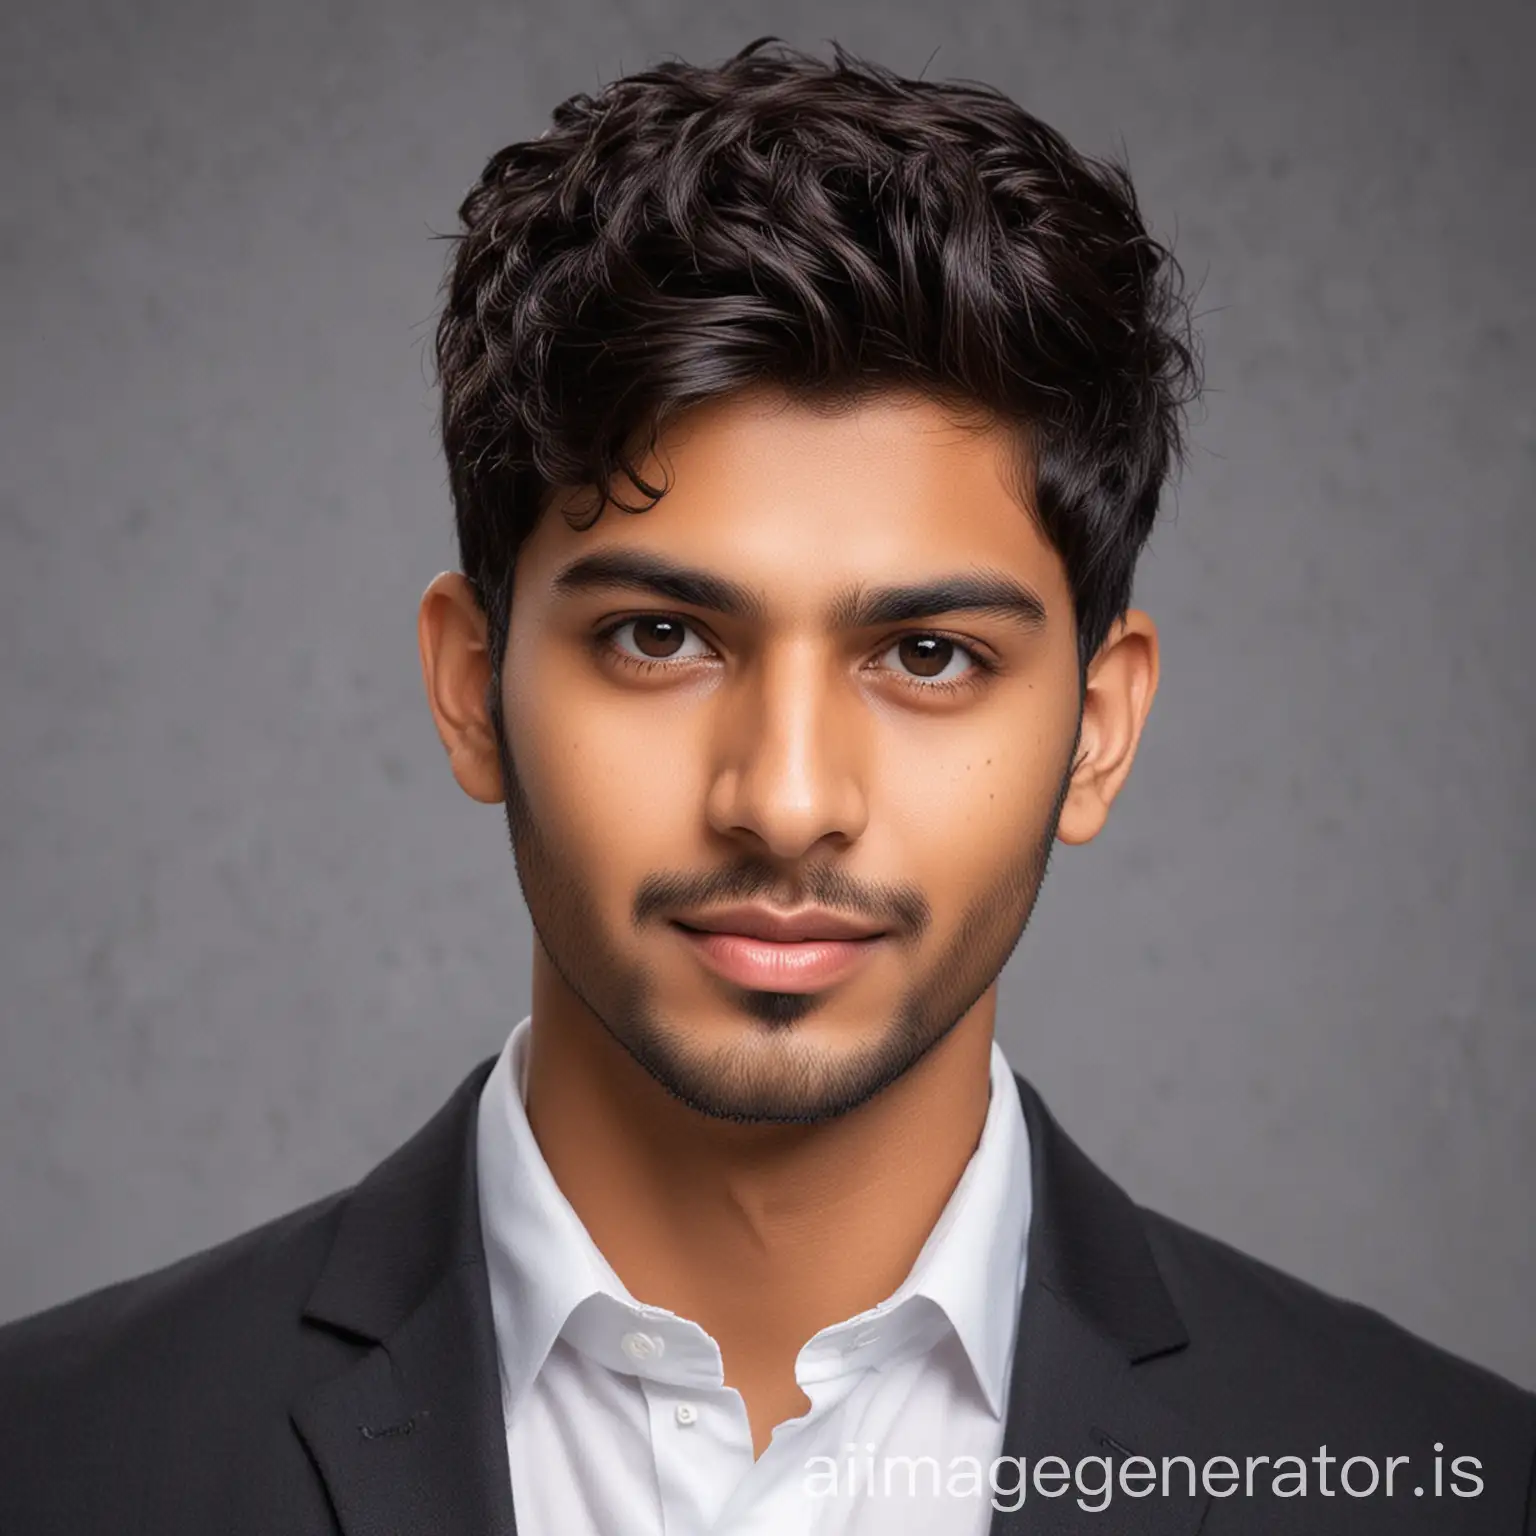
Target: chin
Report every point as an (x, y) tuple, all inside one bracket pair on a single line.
[(768, 1071)]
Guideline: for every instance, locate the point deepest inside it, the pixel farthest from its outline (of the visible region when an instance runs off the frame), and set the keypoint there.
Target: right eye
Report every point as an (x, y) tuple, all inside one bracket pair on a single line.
[(654, 640)]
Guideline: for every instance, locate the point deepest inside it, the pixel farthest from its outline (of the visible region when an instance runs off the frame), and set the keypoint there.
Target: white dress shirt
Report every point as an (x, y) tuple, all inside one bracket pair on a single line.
[(618, 1419)]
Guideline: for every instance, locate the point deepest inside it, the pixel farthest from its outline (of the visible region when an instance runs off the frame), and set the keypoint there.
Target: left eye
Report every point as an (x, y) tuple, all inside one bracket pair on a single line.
[(931, 658)]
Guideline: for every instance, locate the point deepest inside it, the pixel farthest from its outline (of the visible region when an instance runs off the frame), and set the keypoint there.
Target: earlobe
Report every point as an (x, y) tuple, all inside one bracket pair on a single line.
[(1084, 811), (1121, 686), (455, 667)]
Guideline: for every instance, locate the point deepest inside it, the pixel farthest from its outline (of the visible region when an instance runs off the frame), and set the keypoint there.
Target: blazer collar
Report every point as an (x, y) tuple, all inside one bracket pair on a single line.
[(410, 1439), (1087, 1245), (1095, 1308)]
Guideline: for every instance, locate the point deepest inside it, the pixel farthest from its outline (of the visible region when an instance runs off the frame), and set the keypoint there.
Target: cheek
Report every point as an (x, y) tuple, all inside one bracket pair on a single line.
[(962, 812), (600, 789)]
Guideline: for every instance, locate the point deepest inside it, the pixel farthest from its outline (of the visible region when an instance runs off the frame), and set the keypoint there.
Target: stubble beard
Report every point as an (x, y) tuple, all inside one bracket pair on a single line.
[(775, 1076)]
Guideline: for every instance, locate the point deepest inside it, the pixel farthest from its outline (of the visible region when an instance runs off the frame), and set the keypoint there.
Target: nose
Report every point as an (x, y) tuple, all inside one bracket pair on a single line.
[(789, 757)]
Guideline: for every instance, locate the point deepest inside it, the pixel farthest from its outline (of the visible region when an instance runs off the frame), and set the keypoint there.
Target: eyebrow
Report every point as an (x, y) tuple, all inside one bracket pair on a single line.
[(985, 593)]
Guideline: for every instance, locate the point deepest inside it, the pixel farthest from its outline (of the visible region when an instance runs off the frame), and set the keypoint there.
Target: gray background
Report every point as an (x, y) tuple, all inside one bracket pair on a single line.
[(251, 933)]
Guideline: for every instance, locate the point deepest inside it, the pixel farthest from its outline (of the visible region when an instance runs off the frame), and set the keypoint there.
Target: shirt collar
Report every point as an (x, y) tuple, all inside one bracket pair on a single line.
[(972, 1264), (543, 1265), (541, 1260)]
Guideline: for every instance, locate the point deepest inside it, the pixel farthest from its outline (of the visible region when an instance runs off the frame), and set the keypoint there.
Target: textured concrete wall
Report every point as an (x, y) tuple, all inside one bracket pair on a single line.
[(250, 930)]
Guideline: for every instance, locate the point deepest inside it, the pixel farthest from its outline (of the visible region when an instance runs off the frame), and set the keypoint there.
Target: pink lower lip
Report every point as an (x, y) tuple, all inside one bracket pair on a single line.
[(774, 967)]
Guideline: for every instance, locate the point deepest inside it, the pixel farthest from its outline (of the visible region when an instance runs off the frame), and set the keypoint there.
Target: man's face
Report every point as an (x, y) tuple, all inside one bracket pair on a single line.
[(743, 697)]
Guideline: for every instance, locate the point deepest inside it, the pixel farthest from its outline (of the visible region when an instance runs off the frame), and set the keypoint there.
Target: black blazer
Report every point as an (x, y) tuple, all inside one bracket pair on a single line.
[(335, 1371)]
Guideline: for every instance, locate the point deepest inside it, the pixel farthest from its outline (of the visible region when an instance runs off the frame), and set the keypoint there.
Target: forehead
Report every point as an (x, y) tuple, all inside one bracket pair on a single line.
[(799, 499)]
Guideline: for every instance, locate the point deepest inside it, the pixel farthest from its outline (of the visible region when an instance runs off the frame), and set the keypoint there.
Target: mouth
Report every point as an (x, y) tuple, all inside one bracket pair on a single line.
[(775, 965)]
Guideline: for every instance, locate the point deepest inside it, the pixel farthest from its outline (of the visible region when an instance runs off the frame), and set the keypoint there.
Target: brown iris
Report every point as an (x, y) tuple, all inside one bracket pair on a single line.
[(925, 655), (658, 637)]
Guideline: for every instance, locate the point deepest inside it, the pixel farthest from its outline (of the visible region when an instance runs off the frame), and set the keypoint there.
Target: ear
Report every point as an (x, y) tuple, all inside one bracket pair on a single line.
[(456, 668), (1122, 681)]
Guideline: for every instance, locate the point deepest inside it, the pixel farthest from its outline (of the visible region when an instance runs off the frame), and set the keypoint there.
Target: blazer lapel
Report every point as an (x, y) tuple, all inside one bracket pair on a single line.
[(1094, 1309), (410, 1440)]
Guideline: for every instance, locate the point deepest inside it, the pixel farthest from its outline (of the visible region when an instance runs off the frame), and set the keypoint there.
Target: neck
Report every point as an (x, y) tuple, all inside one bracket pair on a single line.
[(761, 1234)]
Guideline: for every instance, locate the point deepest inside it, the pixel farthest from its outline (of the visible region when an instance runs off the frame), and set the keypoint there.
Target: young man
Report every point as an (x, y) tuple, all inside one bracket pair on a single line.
[(804, 425)]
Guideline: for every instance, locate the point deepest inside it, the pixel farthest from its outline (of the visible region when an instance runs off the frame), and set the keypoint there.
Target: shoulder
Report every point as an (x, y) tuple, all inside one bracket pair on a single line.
[(247, 1287), (1283, 1366), (1235, 1302), (193, 1367)]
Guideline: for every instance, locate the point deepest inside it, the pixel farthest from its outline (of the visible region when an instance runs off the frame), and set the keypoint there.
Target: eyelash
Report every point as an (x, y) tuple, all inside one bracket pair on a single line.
[(982, 666)]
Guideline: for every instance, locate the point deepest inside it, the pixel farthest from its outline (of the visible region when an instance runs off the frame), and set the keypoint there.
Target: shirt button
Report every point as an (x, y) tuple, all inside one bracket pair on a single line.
[(686, 1413), (641, 1346)]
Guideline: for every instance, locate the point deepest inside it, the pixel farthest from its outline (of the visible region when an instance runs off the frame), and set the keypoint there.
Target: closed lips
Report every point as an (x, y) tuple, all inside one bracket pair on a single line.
[(777, 927)]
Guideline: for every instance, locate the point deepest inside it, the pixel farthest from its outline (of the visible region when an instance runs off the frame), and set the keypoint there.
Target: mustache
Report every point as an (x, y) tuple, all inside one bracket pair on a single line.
[(901, 908)]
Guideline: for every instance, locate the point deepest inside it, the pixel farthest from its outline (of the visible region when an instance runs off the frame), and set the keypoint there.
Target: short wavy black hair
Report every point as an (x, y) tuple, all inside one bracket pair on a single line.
[(832, 228)]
